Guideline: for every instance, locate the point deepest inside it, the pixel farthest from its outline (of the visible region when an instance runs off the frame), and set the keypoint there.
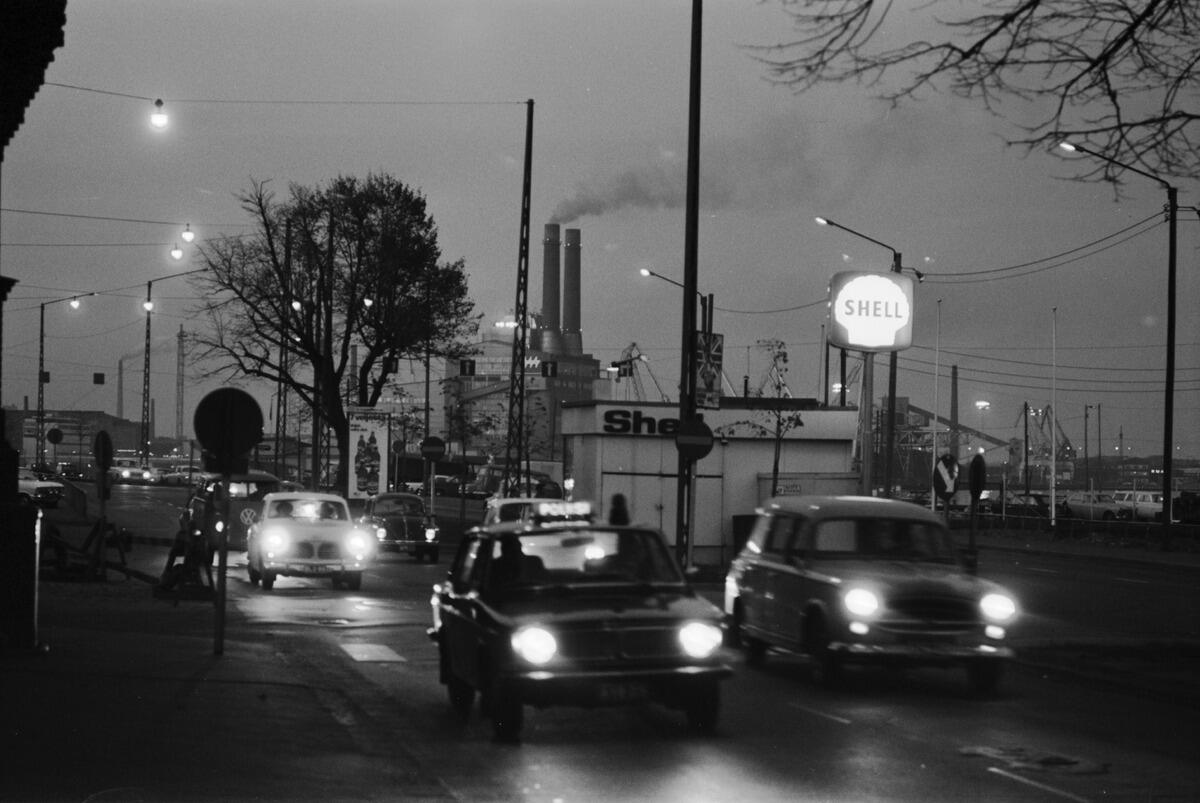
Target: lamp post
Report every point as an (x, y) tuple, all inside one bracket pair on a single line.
[(41, 384), (981, 406), (1169, 384), (148, 306), (706, 302), (868, 377)]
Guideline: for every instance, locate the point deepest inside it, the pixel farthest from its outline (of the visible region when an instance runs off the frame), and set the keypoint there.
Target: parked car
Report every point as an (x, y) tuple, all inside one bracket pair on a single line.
[(574, 613), (43, 493), (402, 524), (1032, 505), (306, 534), (205, 510), (863, 580), (1139, 505), (1091, 505)]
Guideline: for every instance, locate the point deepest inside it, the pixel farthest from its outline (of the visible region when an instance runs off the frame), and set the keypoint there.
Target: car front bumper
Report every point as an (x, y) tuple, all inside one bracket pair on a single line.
[(670, 685), (919, 653), (312, 568)]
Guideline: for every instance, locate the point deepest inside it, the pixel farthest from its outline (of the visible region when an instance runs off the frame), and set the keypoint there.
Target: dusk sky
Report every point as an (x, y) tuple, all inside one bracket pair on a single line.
[(433, 92)]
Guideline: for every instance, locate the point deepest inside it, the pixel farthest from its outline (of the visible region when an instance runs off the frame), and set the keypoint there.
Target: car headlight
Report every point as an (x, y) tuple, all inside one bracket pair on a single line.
[(381, 533), (700, 639), (275, 539), (358, 543), (534, 644), (998, 607), (860, 601), (431, 533)]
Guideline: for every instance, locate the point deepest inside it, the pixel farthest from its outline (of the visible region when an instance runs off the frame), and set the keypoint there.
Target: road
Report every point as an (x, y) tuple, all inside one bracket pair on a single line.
[(887, 736)]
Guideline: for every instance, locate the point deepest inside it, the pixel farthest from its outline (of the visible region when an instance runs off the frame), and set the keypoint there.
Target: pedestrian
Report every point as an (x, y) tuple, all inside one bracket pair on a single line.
[(619, 512)]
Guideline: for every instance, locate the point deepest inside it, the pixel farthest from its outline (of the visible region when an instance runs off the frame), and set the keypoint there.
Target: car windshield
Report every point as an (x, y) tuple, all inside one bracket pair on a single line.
[(398, 506), (884, 538), (591, 557), (307, 509)]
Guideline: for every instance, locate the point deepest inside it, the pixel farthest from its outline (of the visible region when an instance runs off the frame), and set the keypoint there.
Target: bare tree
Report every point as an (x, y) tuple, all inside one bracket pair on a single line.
[(351, 266), (1118, 75)]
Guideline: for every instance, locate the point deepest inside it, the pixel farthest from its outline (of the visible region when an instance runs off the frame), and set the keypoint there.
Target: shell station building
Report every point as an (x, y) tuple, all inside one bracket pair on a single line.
[(612, 447)]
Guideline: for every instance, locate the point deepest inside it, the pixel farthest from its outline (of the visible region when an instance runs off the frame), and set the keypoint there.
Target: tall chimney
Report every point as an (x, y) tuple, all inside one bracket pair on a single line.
[(572, 335), (549, 337)]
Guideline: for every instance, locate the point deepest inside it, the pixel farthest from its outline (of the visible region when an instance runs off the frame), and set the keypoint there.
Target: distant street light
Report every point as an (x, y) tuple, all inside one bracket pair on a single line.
[(706, 305), (868, 374), (1169, 386), (188, 235), (158, 117), (40, 440), (148, 305)]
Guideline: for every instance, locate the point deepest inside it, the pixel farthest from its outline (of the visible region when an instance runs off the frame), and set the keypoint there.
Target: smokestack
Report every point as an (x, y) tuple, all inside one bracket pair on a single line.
[(549, 337), (572, 336)]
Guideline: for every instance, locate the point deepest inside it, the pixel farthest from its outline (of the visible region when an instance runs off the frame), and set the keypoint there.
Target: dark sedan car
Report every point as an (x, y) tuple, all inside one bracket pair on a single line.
[(577, 614), (401, 523)]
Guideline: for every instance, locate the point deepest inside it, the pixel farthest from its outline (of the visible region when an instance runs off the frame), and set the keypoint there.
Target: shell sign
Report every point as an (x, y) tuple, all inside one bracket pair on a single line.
[(871, 311)]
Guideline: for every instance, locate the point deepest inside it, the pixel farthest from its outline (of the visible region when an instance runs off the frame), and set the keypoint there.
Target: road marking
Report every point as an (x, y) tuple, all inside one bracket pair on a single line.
[(373, 652), (1132, 580), (821, 713), (1044, 787)]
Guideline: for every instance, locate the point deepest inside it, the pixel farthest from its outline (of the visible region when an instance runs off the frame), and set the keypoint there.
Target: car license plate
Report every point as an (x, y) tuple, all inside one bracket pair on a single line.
[(314, 569), (622, 692)]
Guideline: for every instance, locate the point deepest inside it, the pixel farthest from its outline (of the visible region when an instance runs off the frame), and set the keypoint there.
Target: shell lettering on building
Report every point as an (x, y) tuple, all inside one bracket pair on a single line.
[(871, 311)]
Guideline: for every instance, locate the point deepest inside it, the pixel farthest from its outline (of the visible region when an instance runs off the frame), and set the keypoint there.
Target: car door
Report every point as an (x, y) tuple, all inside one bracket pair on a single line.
[(770, 565), (788, 582)]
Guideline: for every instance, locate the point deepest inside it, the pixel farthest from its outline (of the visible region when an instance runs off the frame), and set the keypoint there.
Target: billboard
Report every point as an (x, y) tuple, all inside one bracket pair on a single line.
[(871, 311), (369, 439)]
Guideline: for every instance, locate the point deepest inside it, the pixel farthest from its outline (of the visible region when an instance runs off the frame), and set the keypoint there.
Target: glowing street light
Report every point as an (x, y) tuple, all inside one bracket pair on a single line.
[(43, 377), (158, 117), (188, 235)]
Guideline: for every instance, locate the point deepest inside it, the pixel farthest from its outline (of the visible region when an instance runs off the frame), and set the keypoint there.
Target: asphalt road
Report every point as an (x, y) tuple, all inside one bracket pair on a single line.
[(888, 736)]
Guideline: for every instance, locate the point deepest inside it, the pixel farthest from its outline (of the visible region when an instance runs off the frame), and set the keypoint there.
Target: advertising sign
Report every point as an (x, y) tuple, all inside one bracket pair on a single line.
[(369, 441), (710, 353), (871, 311)]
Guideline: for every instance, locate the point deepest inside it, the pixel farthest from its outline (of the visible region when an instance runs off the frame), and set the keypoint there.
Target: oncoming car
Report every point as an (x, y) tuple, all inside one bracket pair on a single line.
[(863, 580), (301, 534), (523, 508), (573, 613), (400, 522), (43, 493)]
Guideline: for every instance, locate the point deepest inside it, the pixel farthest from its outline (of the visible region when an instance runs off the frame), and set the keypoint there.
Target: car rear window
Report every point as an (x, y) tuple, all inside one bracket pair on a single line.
[(882, 538)]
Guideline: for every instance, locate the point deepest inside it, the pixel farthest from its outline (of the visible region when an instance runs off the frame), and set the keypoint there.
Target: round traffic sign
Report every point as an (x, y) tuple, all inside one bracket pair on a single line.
[(433, 448), (228, 424), (54, 435), (694, 439), (103, 451), (977, 476)]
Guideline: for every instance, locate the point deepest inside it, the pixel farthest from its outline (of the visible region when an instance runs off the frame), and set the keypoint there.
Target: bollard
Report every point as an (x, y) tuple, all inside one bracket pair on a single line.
[(20, 538)]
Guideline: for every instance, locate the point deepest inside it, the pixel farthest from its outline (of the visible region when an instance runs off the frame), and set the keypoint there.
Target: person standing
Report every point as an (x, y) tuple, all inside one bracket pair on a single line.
[(618, 513)]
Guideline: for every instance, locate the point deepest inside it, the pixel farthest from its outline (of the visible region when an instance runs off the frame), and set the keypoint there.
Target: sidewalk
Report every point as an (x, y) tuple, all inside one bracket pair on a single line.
[(129, 702)]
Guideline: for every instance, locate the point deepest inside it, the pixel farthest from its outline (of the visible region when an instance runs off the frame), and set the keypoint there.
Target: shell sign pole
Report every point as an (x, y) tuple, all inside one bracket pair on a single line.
[(870, 312)]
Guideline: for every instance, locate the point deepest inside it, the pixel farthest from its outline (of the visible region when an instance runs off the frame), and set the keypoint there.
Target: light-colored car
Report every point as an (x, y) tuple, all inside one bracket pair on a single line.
[(43, 493), (864, 580), (524, 508), (1139, 505), (306, 534), (1092, 505)]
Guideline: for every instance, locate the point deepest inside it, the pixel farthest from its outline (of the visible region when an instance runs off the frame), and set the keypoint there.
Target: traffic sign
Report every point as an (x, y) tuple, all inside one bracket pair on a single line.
[(694, 439), (102, 450), (433, 448), (228, 424), (945, 476)]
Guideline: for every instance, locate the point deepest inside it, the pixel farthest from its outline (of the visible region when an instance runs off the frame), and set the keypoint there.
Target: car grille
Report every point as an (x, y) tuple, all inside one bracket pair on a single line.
[(611, 643), (322, 549), (931, 613)]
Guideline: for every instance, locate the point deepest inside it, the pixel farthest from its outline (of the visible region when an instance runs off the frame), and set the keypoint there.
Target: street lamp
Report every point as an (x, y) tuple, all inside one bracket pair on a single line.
[(706, 305), (40, 440), (869, 375), (981, 406), (158, 117), (148, 305), (1169, 385)]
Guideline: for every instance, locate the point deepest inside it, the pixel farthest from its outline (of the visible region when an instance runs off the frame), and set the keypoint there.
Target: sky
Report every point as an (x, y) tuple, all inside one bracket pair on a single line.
[(1038, 289)]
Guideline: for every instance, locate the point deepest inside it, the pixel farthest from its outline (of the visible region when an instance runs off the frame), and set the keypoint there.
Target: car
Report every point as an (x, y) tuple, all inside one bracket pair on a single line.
[(1032, 505), (574, 613), (1139, 505), (307, 534), (402, 524), (127, 472), (864, 580), (205, 510), (178, 475), (524, 508), (1091, 505), (43, 493)]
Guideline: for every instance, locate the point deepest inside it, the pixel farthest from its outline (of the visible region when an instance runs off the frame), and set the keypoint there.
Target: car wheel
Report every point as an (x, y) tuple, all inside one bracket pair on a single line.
[(703, 706), (827, 667), (255, 574), (983, 676), (352, 580), (268, 580)]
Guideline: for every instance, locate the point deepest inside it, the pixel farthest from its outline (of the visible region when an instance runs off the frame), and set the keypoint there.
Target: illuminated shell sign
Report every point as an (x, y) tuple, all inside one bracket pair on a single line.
[(871, 311)]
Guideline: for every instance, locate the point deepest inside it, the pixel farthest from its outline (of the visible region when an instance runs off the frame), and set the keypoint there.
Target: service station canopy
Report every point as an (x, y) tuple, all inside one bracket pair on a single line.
[(871, 311)]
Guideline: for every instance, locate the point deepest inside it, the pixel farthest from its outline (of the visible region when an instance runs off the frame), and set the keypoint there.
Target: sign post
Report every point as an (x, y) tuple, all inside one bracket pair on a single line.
[(976, 479), (228, 424), (694, 440), (433, 449)]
